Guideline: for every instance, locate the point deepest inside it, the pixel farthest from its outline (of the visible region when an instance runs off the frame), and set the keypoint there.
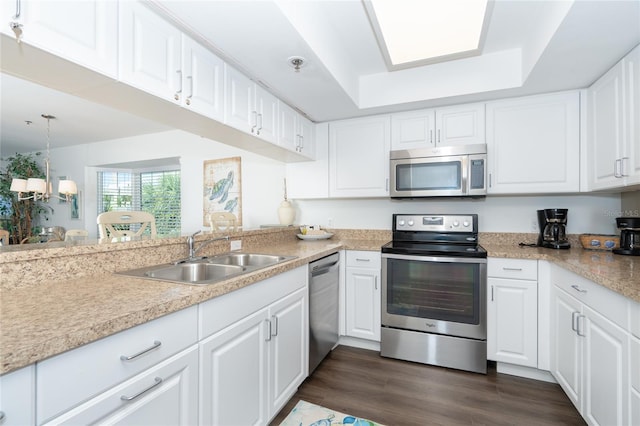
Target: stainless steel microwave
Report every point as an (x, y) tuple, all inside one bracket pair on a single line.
[(448, 171)]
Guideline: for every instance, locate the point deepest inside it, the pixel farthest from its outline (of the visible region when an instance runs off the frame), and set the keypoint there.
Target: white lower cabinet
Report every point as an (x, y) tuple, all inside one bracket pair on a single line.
[(165, 394), (254, 364), (590, 348), (18, 397), (512, 319), (634, 389), (363, 295)]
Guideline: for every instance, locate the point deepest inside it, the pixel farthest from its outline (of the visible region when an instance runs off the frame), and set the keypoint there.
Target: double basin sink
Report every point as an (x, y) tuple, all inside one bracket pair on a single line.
[(203, 271)]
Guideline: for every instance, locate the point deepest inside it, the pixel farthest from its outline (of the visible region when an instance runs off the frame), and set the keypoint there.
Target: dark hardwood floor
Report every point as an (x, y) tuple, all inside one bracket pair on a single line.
[(398, 393)]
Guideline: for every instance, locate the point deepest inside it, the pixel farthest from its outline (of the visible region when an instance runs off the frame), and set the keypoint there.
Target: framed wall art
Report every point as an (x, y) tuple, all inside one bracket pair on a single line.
[(222, 188)]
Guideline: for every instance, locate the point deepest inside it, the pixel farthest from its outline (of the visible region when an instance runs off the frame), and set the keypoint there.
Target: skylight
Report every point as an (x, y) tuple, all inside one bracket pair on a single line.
[(415, 32)]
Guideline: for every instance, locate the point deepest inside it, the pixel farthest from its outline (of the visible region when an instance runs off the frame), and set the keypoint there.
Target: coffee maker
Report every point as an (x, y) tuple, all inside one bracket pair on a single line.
[(552, 224), (629, 236)]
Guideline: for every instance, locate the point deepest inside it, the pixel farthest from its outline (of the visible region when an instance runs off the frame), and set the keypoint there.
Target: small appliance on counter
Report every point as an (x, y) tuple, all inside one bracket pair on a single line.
[(629, 236), (553, 228)]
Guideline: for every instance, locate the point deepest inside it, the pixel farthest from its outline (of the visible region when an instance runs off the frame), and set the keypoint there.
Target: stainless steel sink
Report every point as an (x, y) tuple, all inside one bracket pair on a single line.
[(208, 270)]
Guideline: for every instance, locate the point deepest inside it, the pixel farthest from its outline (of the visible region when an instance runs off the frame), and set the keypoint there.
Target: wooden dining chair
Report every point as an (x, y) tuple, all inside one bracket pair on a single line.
[(4, 237), (222, 221), (76, 234), (125, 224)]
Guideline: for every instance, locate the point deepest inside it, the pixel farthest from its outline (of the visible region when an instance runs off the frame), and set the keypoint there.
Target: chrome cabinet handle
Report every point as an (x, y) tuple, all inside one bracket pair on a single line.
[(578, 326), (274, 320), (260, 125), (617, 168), (438, 135), (16, 27), (492, 293), (490, 180), (511, 269), (158, 380), (156, 344), (268, 330), (431, 137), (358, 259), (574, 327), (188, 101), (254, 119), (622, 161), (375, 283), (176, 96), (301, 143), (578, 289)]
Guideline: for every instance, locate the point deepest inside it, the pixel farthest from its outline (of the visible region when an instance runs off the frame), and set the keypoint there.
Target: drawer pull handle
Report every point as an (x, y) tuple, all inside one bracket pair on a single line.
[(156, 344), (578, 289), (512, 269), (158, 380), (358, 259)]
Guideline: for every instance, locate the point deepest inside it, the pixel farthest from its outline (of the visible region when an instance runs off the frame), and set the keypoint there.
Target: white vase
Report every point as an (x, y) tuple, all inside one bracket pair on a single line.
[(286, 213)]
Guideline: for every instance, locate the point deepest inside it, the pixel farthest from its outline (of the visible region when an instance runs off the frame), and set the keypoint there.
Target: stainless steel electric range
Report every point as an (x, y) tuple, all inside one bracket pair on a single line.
[(434, 278)]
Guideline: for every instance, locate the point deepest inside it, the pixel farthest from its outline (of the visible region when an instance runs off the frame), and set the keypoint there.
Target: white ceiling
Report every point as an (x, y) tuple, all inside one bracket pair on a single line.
[(531, 47)]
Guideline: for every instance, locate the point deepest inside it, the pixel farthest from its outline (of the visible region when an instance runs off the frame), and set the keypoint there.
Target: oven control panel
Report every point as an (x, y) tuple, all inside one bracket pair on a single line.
[(436, 223)]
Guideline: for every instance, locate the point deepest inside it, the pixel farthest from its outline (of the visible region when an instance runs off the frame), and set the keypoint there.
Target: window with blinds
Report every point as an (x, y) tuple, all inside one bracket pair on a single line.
[(156, 192)]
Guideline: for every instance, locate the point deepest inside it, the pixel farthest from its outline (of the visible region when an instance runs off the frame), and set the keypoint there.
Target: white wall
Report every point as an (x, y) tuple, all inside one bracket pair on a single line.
[(262, 177), (587, 213)]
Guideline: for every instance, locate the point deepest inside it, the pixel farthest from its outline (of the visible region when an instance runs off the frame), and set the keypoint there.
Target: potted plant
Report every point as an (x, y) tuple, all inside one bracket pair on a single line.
[(19, 217)]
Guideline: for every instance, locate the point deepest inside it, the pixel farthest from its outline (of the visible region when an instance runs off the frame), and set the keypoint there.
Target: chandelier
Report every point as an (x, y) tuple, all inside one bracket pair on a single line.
[(42, 189)]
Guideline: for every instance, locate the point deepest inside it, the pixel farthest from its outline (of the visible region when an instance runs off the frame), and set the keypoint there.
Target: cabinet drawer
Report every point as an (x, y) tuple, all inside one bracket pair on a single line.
[(363, 259), (75, 376), (606, 302), (163, 394), (520, 269)]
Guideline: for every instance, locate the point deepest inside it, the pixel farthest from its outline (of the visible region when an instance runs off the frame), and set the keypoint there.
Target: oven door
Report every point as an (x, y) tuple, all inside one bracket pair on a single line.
[(435, 294)]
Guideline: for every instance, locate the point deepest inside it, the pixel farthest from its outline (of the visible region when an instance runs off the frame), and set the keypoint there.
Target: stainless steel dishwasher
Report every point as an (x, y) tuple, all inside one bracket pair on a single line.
[(323, 308)]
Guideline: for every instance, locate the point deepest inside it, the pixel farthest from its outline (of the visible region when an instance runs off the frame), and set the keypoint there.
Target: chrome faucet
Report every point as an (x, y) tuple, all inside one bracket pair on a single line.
[(193, 249)]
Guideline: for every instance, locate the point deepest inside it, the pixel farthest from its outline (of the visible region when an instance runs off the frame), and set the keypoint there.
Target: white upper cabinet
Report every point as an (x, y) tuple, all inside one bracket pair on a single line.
[(359, 157), (310, 179), (249, 107), (613, 134), (533, 144), (202, 80), (456, 125), (295, 132), (150, 52), (84, 32)]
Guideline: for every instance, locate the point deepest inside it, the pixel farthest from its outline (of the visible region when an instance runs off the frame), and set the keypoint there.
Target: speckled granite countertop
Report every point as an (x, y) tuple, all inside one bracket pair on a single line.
[(50, 317)]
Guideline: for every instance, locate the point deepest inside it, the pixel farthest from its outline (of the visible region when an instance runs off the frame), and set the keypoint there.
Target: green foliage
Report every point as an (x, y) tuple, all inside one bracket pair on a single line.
[(18, 216), (163, 201)]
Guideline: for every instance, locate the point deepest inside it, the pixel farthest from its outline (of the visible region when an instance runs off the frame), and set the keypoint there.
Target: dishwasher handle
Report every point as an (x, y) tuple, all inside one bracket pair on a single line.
[(324, 265), (320, 270)]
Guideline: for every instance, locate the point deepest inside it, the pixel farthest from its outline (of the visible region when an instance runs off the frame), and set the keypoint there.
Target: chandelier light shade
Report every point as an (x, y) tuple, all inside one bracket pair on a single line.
[(42, 189)]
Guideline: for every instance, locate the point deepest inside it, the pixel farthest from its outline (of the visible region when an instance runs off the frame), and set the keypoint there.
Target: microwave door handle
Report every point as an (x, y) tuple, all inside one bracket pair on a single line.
[(465, 175)]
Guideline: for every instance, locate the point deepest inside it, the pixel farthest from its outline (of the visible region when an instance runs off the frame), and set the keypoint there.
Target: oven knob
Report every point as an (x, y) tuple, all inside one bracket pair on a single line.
[(410, 223), (401, 222), (456, 223), (465, 224)]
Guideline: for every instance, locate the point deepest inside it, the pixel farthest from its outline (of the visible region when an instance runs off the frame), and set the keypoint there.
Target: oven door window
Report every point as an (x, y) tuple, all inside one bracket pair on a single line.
[(429, 176), (434, 290)]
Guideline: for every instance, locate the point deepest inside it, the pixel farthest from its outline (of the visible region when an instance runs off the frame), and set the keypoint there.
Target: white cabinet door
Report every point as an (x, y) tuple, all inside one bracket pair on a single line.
[(605, 370), (306, 138), (288, 348), (166, 394), (84, 32), (149, 51), (288, 133), (512, 334), (233, 373), (460, 125), (413, 129), (266, 107), (362, 303), (632, 108), (634, 388), (18, 397), (239, 99), (566, 350), (533, 144), (605, 130), (359, 157), (202, 80)]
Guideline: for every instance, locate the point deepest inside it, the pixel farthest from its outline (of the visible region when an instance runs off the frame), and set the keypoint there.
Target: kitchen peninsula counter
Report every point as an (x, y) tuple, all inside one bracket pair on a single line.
[(44, 318)]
